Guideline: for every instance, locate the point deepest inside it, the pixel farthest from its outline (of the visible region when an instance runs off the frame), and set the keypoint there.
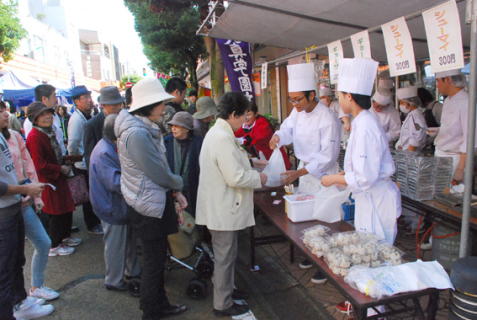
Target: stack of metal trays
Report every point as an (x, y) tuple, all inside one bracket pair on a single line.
[(400, 161), (421, 177), (443, 174)]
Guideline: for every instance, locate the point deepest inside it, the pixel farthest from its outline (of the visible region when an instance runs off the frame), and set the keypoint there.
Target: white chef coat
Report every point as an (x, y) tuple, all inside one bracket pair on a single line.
[(390, 121), (315, 137), (27, 126), (336, 108), (452, 136), (409, 134), (368, 167)]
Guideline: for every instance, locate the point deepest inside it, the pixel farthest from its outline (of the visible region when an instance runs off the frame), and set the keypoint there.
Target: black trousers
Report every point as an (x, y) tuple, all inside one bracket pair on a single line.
[(12, 260), (59, 227), (90, 219)]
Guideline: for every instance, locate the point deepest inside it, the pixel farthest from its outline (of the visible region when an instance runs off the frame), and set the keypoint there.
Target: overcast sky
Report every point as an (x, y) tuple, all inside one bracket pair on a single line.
[(113, 19)]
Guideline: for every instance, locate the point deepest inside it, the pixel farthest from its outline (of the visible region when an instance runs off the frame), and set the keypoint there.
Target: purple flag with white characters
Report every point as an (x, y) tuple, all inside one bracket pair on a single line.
[(238, 65)]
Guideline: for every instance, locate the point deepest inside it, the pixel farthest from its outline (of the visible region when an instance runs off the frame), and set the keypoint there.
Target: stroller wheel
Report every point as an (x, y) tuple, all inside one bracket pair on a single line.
[(196, 289), (206, 269)]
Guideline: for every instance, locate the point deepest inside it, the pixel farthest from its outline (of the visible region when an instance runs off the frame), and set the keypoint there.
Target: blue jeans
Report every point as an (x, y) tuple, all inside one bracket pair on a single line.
[(12, 260), (35, 232)]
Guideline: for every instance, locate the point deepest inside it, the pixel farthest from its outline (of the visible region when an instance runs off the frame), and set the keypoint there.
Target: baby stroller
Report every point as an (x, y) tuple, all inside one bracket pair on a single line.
[(183, 245)]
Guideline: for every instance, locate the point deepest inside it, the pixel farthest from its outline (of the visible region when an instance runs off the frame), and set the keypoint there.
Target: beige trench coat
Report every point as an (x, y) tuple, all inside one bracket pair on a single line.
[(226, 183)]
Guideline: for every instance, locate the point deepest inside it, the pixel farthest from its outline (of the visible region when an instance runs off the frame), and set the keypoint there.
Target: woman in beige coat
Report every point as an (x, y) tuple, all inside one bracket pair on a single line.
[(225, 197)]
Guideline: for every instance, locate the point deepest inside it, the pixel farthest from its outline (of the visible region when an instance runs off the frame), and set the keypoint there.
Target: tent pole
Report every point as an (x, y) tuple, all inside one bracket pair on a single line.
[(469, 161)]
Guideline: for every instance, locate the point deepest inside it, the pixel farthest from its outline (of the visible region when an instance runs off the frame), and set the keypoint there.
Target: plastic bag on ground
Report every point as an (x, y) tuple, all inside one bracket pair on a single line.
[(275, 167), (328, 203)]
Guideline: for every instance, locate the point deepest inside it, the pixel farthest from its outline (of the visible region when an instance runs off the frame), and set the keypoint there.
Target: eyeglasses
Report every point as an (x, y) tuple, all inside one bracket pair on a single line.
[(295, 101), (380, 107)]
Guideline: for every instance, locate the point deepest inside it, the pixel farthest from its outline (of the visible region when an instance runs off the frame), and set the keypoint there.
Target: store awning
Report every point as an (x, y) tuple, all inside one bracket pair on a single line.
[(301, 24)]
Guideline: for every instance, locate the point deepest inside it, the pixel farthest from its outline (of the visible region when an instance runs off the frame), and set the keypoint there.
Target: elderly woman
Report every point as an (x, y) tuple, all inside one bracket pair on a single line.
[(256, 133), (48, 159), (413, 130), (225, 197), (147, 184), (34, 230)]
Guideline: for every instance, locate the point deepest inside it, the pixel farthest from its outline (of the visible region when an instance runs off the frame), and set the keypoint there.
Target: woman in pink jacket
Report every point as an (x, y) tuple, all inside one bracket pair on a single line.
[(34, 230)]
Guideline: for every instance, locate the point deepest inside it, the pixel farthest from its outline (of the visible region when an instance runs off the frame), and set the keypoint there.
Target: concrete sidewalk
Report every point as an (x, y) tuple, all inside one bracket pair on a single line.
[(274, 292)]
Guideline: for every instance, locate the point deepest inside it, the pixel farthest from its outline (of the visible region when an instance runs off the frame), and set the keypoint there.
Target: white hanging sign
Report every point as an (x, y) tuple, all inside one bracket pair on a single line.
[(361, 45), (335, 53), (444, 37), (399, 49), (264, 75)]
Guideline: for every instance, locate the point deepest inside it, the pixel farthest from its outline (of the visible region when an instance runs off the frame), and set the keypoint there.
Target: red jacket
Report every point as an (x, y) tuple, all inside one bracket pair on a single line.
[(260, 136), (59, 201)]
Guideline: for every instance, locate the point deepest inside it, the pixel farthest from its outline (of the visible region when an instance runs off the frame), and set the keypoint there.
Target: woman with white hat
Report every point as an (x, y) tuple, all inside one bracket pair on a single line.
[(388, 116), (147, 184), (368, 164), (413, 130)]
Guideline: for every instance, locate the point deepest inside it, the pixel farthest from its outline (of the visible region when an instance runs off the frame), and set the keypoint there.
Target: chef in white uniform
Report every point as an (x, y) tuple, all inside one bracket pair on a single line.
[(368, 162), (451, 140), (388, 116), (411, 138), (327, 98), (312, 127), (315, 131)]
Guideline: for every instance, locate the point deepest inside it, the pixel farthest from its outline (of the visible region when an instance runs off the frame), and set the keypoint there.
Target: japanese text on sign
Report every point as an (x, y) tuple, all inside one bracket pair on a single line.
[(264, 76), (335, 52), (361, 45), (399, 49), (444, 37)]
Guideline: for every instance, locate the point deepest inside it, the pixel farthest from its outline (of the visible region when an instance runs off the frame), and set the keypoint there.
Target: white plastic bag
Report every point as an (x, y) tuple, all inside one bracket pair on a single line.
[(328, 204), (274, 168)]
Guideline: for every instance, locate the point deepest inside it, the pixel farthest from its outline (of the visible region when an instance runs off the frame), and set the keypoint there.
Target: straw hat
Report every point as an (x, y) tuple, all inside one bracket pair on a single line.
[(206, 107), (148, 91)]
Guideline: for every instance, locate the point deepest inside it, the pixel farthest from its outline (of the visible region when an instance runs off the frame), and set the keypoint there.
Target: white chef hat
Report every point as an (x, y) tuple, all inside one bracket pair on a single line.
[(387, 83), (326, 92), (301, 77), (406, 92), (448, 73), (382, 96), (357, 76)]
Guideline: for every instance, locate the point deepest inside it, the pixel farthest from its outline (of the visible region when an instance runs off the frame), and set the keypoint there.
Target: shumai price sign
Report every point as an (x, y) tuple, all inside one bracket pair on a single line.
[(444, 37), (399, 49)]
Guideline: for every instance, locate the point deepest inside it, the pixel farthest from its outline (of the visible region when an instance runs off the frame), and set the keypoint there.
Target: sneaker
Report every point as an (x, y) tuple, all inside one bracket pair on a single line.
[(72, 242), (33, 312), (345, 307), (29, 301), (234, 310), (305, 264), (318, 278), (61, 250), (97, 229), (44, 293)]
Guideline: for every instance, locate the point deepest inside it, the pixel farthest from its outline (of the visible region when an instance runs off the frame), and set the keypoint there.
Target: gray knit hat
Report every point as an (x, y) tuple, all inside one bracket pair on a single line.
[(205, 108)]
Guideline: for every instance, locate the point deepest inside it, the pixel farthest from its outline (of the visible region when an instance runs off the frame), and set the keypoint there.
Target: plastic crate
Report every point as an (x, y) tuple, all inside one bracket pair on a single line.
[(298, 211), (348, 211)]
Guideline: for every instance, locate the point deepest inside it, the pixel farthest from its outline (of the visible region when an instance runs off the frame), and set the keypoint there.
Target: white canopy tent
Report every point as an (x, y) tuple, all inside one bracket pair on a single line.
[(305, 23)]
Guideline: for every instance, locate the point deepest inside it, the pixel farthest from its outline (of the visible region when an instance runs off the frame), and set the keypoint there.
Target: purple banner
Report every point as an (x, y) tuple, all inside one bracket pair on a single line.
[(238, 65)]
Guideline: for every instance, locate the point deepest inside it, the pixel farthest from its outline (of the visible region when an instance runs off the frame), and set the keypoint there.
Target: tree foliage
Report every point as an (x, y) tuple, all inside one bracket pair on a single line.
[(168, 36), (11, 30), (133, 78)]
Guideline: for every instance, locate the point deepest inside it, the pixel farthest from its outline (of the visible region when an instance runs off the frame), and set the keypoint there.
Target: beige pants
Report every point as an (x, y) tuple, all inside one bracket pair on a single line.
[(225, 245)]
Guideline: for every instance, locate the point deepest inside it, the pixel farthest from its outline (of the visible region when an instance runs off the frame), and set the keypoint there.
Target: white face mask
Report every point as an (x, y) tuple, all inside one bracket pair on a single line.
[(324, 101), (404, 109)]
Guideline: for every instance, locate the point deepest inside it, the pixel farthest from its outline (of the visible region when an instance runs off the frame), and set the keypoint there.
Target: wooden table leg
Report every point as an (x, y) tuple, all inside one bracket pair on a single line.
[(433, 304)]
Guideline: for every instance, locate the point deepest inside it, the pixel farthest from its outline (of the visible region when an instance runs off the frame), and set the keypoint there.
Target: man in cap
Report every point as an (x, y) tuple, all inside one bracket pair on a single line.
[(206, 111), (177, 88), (192, 98), (112, 102), (84, 104), (315, 132), (388, 116), (327, 98)]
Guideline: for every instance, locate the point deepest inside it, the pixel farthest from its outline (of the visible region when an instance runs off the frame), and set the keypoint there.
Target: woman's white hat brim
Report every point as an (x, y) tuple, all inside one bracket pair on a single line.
[(143, 101)]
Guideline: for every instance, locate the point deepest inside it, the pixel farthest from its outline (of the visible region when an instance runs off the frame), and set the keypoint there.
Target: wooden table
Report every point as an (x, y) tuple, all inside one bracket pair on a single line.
[(292, 232)]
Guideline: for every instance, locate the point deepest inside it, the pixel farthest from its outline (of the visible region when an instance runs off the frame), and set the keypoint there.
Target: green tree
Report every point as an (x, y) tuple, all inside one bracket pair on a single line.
[(133, 78), (169, 38), (11, 30)]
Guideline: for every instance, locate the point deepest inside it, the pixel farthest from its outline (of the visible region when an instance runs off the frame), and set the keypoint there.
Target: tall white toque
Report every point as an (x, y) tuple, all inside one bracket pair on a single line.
[(406, 92), (382, 96), (326, 92), (301, 77), (357, 76)]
